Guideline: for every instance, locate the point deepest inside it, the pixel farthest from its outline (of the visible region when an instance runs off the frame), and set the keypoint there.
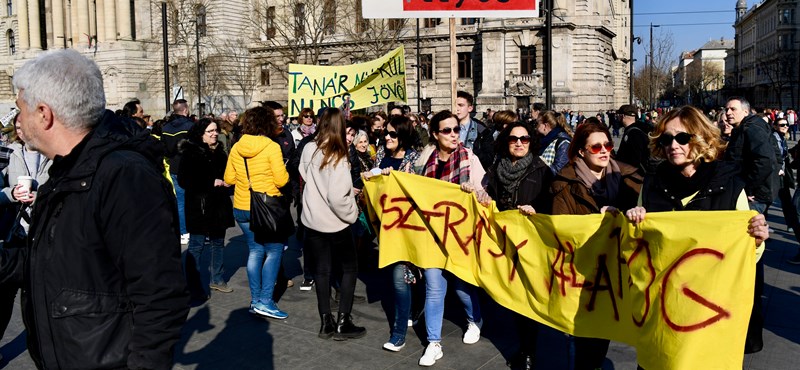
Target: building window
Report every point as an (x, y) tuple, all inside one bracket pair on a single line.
[(426, 67), (396, 24), (323, 62), (465, 65), (362, 25), (527, 60), (431, 22), (269, 21), (469, 21), (426, 105), (299, 20), (329, 20), (133, 18), (264, 77), (202, 26), (12, 43), (10, 7)]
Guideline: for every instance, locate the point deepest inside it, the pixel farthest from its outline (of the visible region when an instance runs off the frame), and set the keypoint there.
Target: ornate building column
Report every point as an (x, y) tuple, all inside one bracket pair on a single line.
[(110, 12), (22, 19), (124, 19), (74, 35), (83, 24), (101, 20), (58, 24), (34, 25)]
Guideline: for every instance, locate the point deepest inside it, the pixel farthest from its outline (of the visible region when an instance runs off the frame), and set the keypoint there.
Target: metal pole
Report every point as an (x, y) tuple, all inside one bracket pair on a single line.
[(650, 102), (548, 72), (453, 65), (419, 89), (197, 64), (630, 57), (165, 41)]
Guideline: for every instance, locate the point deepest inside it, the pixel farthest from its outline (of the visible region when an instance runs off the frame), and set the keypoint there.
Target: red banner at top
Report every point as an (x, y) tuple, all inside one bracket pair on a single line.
[(456, 5)]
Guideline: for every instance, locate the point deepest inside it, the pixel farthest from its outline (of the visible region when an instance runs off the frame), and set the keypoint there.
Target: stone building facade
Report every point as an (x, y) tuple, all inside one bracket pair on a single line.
[(500, 61)]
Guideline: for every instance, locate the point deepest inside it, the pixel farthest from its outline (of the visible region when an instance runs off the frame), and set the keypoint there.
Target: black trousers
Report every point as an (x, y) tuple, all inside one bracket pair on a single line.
[(333, 251), (8, 292)]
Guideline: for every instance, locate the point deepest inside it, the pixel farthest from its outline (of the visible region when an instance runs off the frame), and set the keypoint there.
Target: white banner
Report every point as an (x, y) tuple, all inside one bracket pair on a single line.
[(450, 8)]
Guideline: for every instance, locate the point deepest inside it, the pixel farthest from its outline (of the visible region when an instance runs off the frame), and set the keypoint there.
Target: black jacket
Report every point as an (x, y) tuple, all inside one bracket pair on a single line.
[(533, 188), (634, 147), (172, 134), (752, 147), (208, 209), (484, 148), (103, 286), (718, 188)]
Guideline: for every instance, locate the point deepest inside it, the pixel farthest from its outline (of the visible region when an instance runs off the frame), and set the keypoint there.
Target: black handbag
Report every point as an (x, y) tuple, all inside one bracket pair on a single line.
[(266, 212)]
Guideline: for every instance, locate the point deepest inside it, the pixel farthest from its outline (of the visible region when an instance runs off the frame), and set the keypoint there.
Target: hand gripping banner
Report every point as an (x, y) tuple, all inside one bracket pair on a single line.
[(678, 287)]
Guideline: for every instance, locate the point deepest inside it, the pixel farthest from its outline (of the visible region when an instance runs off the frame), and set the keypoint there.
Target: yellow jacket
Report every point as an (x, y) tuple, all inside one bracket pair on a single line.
[(267, 171)]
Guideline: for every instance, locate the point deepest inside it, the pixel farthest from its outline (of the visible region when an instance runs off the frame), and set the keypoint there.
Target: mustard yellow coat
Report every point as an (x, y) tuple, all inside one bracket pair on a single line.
[(267, 169)]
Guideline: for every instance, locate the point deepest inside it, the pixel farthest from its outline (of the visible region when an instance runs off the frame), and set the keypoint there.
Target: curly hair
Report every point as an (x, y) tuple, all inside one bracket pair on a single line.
[(259, 121), (705, 144)]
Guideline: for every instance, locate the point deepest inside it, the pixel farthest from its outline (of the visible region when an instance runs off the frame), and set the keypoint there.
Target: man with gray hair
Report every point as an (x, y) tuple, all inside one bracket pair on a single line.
[(102, 280)]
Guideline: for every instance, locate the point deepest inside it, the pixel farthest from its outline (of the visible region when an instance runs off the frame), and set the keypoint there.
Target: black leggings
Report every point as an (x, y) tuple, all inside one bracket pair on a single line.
[(329, 250)]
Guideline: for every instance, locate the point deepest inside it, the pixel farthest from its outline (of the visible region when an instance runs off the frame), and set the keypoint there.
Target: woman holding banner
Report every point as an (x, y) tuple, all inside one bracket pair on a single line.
[(692, 178), (397, 154), (593, 182), (519, 179), (448, 160)]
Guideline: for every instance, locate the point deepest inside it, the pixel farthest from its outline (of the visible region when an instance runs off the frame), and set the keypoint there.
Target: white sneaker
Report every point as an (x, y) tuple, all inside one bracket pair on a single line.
[(473, 334), (184, 239), (432, 353)]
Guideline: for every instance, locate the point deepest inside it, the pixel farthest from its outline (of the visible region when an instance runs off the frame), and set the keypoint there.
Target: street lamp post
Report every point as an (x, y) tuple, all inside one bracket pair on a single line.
[(197, 65), (651, 63)]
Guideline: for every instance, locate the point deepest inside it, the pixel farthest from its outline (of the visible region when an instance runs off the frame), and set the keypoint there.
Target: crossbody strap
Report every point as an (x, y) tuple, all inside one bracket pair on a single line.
[(247, 171)]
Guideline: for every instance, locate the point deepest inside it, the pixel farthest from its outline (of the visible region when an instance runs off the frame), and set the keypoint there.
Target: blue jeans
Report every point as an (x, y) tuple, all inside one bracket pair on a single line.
[(435, 291), (263, 262), (402, 302), (196, 247), (759, 207), (179, 194)]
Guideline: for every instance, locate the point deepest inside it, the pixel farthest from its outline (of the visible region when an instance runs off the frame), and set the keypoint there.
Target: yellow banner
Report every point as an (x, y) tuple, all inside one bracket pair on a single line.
[(378, 81), (678, 287)]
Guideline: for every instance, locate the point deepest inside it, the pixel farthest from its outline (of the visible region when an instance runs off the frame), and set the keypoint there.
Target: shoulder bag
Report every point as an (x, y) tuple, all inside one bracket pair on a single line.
[(266, 211)]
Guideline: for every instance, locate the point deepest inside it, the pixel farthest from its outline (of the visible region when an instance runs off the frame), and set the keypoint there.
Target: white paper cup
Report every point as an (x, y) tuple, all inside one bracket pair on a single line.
[(25, 182)]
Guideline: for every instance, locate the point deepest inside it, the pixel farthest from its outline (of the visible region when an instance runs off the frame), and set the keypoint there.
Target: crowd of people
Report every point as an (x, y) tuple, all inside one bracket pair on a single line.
[(197, 176)]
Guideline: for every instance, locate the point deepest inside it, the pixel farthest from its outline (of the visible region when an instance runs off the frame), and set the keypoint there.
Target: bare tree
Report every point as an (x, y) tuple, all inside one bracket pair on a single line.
[(235, 71), (779, 69), (704, 80), (660, 63)]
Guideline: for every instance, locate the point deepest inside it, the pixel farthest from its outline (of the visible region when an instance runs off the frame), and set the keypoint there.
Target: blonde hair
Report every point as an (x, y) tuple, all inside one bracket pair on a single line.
[(705, 144), (555, 119)]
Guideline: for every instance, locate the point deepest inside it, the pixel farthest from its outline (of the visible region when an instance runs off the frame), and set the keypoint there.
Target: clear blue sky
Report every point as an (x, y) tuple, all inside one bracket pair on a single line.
[(691, 22)]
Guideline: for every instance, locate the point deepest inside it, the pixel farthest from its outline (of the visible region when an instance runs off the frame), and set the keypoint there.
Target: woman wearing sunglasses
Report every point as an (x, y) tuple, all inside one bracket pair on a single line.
[(519, 179), (308, 125), (448, 160), (780, 132), (593, 182)]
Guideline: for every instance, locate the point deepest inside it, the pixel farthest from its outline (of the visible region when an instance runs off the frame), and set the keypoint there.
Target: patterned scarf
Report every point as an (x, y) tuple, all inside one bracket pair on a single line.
[(308, 130), (456, 170)]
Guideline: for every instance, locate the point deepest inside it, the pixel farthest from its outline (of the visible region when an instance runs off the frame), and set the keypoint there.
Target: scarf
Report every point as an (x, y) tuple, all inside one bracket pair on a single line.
[(510, 174), (604, 190), (308, 130), (456, 170)]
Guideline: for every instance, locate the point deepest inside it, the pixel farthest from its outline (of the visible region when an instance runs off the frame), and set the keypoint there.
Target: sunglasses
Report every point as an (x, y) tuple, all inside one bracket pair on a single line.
[(682, 138), (391, 134), (307, 116), (525, 139), (597, 148), (783, 125), (448, 130)]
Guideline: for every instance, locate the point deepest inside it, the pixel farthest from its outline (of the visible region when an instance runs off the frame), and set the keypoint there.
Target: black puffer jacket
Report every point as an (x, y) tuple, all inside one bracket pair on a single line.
[(533, 188), (717, 184), (208, 208), (103, 286)]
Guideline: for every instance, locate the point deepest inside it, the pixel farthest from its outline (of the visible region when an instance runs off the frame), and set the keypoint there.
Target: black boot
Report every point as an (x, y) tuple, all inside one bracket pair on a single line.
[(328, 326), (521, 361), (345, 329)]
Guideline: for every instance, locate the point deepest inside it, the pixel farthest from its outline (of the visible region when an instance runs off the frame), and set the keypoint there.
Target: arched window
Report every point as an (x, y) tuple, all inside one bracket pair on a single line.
[(12, 42)]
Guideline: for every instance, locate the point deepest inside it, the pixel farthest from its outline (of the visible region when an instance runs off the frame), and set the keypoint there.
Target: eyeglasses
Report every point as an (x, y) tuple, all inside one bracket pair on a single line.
[(391, 134), (682, 138), (597, 148), (525, 139), (210, 131), (448, 130)]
